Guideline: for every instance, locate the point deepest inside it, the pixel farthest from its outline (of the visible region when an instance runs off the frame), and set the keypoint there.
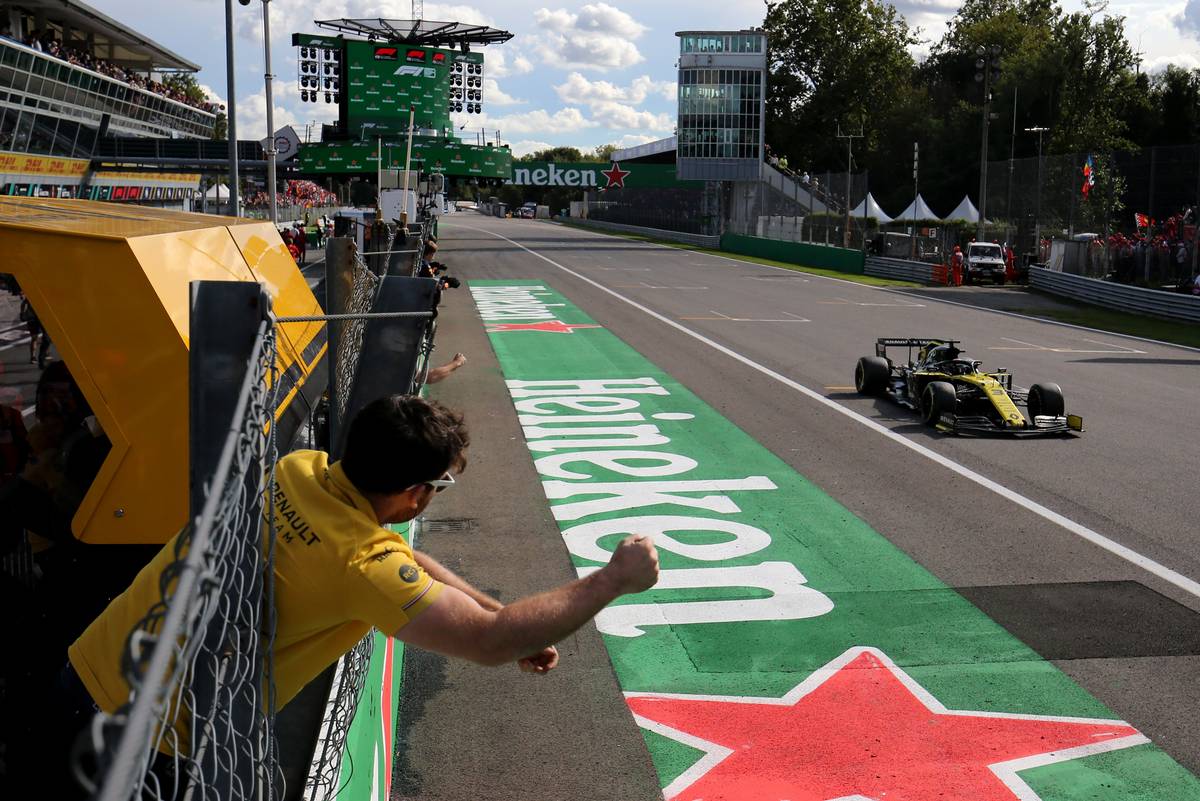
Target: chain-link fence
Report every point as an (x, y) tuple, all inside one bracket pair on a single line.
[(666, 209), (349, 679), (200, 720), (1136, 220), (802, 207), (364, 286)]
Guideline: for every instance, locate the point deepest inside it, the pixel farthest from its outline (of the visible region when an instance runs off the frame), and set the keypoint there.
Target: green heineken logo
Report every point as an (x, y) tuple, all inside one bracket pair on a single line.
[(788, 651)]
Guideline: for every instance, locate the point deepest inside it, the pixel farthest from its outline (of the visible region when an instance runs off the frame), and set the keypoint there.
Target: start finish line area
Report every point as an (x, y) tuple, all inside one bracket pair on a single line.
[(789, 651)]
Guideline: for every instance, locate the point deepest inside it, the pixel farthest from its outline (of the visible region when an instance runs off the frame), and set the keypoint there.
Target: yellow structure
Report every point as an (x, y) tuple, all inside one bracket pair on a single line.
[(110, 285)]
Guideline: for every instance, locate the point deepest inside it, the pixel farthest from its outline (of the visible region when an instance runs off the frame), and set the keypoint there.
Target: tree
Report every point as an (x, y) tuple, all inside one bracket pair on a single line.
[(831, 63), (602, 153), (186, 83), (558, 154)]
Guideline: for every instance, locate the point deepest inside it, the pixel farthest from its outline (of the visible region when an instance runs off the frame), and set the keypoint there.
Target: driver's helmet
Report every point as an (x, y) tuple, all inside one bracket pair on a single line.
[(941, 353)]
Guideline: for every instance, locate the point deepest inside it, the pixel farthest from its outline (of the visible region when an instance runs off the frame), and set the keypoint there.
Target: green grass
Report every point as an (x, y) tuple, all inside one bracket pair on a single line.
[(1178, 333), (868, 280)]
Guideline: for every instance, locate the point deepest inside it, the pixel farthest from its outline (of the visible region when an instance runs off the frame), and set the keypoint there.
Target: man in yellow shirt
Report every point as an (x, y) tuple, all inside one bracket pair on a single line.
[(339, 572)]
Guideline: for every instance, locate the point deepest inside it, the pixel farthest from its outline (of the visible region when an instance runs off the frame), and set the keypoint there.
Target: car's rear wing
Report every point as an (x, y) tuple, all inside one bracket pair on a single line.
[(883, 343)]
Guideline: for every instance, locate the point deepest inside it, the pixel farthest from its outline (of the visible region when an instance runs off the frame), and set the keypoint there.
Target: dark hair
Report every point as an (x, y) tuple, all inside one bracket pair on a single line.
[(399, 441)]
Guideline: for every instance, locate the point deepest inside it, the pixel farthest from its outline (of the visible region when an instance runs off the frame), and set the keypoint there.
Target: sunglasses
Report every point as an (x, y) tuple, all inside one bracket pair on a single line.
[(442, 483)]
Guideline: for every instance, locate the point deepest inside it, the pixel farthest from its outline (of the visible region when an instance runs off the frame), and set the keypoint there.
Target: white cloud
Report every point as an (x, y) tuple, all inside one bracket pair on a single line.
[(539, 121), (502, 63), (579, 89), (1188, 22), (613, 106), (1189, 61), (494, 95), (527, 146), (618, 115), (252, 111), (629, 140), (598, 36)]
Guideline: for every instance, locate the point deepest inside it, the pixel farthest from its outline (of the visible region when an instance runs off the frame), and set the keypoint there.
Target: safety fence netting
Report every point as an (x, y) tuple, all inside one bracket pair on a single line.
[(200, 722)]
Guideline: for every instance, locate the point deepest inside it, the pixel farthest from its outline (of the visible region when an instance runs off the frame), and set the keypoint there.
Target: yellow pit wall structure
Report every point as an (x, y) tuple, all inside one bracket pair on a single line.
[(110, 285)]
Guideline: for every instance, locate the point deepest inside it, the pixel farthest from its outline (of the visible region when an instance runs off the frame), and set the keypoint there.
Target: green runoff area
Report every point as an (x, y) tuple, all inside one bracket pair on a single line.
[(788, 651)]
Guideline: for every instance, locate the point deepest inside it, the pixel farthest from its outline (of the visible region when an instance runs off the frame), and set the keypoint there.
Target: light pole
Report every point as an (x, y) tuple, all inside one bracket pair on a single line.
[(988, 64), (231, 111), (1037, 205), (271, 150)]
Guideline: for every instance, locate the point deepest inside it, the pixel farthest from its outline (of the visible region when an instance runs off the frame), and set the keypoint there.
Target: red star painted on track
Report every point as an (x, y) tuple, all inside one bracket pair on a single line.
[(551, 326), (861, 729), (615, 176)]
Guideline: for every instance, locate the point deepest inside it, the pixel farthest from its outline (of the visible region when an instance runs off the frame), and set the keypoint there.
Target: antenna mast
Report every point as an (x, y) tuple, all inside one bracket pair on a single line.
[(418, 9)]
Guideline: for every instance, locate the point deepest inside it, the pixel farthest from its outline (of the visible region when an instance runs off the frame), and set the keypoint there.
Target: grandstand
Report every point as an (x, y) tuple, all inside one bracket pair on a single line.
[(72, 80)]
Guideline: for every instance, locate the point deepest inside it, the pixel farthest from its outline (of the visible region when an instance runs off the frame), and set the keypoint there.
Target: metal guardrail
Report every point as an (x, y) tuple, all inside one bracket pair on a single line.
[(902, 269), (1121, 297), (700, 240)]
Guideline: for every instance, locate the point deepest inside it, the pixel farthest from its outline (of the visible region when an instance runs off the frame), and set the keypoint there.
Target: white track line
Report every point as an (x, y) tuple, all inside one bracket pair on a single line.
[(901, 292), (1163, 572)]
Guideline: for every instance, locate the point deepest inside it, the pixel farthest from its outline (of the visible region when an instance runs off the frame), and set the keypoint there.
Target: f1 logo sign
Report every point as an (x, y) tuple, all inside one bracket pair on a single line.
[(417, 72)]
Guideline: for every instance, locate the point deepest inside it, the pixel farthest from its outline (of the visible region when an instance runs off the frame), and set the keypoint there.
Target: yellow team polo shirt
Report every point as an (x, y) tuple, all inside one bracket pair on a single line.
[(338, 573)]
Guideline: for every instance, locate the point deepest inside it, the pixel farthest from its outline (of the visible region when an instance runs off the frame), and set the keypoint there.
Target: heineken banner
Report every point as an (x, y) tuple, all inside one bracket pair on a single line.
[(429, 154), (597, 175), (788, 650)]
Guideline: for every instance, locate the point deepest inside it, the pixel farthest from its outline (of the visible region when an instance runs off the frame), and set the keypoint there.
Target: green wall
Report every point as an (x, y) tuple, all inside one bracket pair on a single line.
[(830, 258)]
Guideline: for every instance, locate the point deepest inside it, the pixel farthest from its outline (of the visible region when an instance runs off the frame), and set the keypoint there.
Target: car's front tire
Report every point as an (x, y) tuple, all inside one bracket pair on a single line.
[(1046, 399), (938, 398), (871, 375)]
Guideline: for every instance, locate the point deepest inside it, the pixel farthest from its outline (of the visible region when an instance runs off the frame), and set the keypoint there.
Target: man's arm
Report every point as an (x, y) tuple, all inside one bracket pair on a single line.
[(451, 579), (442, 373), (456, 625)]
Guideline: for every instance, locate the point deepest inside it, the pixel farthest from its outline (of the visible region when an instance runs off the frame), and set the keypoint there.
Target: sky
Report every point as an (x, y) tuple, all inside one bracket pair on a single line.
[(575, 73)]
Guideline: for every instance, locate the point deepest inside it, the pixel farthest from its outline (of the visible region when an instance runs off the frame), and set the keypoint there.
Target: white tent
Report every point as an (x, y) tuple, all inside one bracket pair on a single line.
[(964, 211), (870, 208), (918, 209), (218, 191)]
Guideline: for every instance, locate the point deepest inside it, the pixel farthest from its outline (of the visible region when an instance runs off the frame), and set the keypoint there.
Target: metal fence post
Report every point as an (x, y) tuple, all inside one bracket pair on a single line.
[(225, 318), (339, 291)]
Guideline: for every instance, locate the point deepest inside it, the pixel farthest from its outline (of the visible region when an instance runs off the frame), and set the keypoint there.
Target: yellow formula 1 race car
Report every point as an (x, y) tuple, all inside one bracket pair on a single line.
[(954, 395)]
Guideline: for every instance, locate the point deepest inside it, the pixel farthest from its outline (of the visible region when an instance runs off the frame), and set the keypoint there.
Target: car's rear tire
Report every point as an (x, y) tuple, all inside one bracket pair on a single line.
[(1046, 399), (871, 375), (938, 398)]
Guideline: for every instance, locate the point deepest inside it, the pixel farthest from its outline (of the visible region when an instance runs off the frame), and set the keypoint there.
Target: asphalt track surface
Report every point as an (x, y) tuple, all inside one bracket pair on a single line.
[(1083, 547)]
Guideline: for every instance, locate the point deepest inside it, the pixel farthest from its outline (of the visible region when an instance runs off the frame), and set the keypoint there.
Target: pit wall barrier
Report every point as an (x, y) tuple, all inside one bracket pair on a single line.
[(1121, 297), (802, 253), (700, 240)]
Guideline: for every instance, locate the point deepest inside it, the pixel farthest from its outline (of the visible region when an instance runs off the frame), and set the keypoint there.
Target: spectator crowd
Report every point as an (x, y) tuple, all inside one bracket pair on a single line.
[(303, 194), (45, 42)]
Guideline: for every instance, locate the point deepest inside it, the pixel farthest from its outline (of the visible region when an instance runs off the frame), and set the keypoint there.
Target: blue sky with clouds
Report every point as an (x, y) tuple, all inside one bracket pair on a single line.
[(576, 73)]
